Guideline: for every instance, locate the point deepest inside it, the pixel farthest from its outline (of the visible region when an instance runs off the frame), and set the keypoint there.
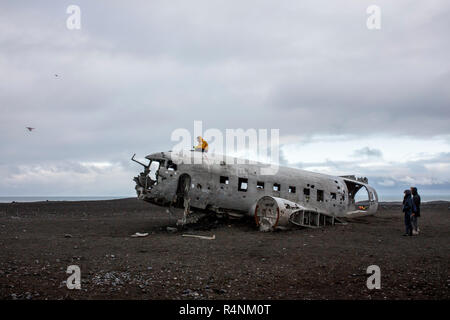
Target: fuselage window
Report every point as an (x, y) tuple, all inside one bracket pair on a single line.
[(154, 168), (306, 193), (291, 189), (319, 195), (171, 166), (260, 185), (242, 184), (276, 187), (224, 180), (333, 196)]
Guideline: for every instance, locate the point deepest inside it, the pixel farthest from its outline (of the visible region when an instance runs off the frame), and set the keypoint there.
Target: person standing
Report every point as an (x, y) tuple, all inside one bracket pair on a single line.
[(416, 213), (407, 209)]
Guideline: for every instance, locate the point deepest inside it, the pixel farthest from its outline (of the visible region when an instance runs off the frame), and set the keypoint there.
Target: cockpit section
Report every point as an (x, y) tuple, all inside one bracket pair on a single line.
[(157, 182), (149, 177)]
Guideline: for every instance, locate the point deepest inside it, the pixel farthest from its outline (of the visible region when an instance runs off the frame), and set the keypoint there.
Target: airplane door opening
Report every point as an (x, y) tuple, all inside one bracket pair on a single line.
[(184, 185)]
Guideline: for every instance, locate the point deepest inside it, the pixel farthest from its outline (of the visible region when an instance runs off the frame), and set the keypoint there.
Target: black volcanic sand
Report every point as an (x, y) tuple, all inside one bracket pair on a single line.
[(40, 240)]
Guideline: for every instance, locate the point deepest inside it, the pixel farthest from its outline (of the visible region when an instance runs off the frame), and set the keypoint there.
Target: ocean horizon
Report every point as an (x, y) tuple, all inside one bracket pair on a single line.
[(7, 199)]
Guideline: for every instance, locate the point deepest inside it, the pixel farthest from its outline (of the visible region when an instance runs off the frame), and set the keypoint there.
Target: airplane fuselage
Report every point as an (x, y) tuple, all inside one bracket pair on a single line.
[(228, 186)]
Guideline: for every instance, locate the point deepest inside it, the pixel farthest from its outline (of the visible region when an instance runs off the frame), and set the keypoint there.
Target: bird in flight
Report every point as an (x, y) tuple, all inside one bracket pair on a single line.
[(30, 128)]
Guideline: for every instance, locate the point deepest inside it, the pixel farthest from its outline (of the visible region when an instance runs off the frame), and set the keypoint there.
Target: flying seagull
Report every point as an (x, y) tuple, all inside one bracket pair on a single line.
[(30, 128)]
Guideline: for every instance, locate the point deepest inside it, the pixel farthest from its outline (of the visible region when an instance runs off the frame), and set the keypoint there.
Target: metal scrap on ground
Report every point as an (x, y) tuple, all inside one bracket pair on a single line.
[(200, 237), (139, 235)]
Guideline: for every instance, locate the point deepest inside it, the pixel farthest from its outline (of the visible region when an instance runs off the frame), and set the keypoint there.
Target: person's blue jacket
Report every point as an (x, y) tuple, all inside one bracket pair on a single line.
[(408, 204)]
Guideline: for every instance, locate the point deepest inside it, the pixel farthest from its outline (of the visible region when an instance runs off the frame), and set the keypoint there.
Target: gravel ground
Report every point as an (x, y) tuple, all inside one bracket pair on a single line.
[(40, 240)]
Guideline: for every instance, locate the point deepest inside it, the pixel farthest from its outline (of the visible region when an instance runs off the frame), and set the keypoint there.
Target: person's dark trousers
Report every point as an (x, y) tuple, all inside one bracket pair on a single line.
[(414, 222), (408, 224)]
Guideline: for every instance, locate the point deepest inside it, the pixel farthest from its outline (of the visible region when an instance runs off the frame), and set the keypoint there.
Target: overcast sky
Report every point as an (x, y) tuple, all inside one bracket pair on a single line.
[(347, 100)]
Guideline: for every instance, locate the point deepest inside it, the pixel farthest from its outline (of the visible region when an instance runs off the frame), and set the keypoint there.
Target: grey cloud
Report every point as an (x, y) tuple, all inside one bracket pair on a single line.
[(368, 152), (420, 171), (66, 179), (138, 70)]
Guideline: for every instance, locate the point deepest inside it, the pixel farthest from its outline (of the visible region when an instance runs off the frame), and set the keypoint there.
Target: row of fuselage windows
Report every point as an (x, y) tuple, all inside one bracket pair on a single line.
[(243, 186)]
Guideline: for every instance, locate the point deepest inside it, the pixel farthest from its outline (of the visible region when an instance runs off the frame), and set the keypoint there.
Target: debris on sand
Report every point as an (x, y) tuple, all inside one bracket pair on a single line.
[(200, 237), (139, 235), (67, 235), (171, 229)]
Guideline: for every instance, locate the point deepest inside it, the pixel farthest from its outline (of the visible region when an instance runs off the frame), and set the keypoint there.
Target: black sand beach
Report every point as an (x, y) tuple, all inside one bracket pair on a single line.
[(40, 240)]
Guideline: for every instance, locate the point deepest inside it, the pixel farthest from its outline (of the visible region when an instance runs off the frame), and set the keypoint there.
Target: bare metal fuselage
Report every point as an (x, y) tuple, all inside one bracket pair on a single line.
[(225, 185)]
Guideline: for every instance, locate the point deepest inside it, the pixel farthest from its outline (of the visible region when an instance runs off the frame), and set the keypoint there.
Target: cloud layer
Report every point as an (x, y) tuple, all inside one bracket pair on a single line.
[(136, 71)]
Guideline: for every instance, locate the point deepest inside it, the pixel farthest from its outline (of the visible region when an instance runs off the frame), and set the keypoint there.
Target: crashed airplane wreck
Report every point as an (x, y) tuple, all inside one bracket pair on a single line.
[(226, 186)]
